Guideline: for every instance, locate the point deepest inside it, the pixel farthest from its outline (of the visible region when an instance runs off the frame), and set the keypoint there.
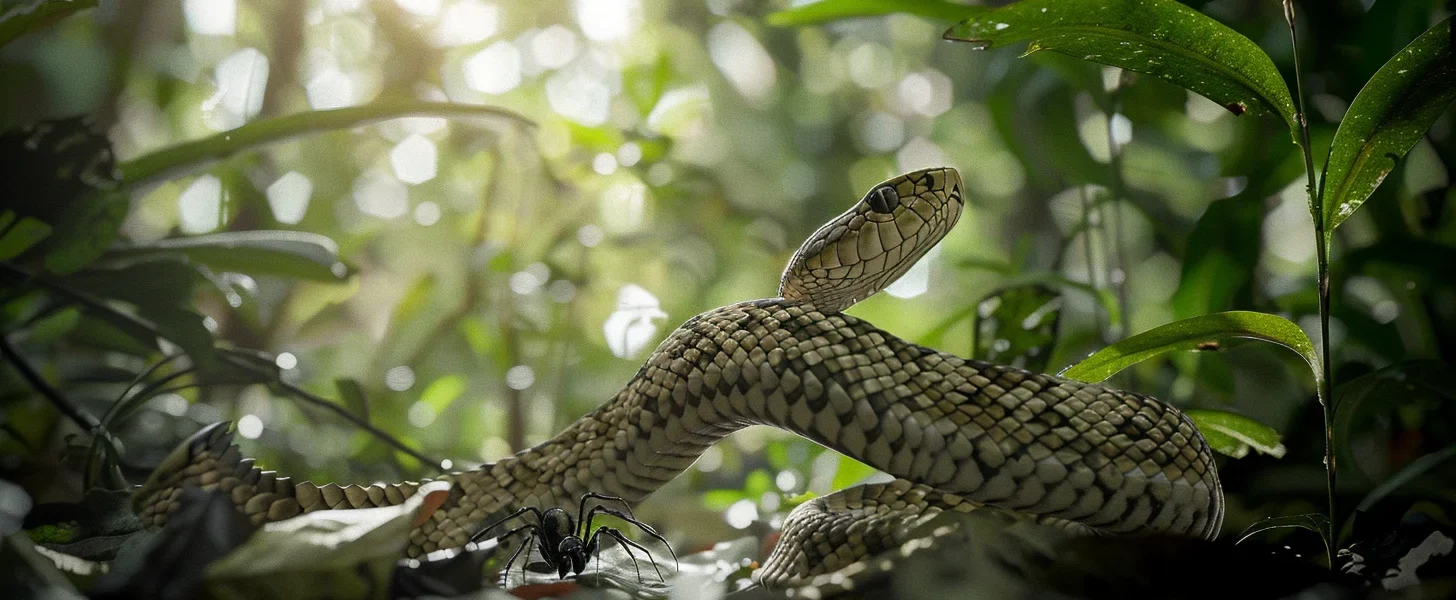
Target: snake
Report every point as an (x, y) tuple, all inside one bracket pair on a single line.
[(954, 434)]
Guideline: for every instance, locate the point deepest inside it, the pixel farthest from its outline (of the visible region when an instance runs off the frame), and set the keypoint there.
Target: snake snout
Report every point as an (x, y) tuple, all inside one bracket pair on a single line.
[(953, 185)]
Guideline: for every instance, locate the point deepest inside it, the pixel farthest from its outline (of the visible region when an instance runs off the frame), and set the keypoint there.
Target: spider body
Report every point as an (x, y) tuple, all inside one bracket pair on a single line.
[(567, 544)]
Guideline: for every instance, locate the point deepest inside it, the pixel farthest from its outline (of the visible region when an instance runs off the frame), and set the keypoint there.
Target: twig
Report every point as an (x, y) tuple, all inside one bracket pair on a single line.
[(334, 407), (1087, 229), (86, 421), (1119, 274)]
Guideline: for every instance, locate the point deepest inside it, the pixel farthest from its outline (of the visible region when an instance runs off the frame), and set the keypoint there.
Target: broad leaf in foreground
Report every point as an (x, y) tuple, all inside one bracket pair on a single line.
[(833, 10), (1232, 434), (1208, 332), (323, 554), (1162, 38), (1389, 115)]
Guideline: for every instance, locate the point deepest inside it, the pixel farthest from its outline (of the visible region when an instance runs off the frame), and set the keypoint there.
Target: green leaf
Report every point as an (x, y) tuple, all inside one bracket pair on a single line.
[(353, 396), (294, 254), (850, 472), (758, 483), (720, 500), (1359, 402), (1162, 38), (188, 157), (1236, 434), (415, 299), (1104, 297), (443, 391), (84, 234), (21, 236), (1315, 522), (833, 10), (1389, 115), (163, 283), (1018, 326), (52, 327), (1207, 332), (323, 554), (37, 14), (1415, 469), (1221, 257), (185, 328)]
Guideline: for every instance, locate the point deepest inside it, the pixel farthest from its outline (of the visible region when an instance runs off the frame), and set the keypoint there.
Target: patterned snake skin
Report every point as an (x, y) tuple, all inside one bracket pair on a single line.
[(957, 433)]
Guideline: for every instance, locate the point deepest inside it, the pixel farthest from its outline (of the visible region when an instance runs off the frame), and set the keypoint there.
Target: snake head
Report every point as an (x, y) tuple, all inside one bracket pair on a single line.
[(876, 241)]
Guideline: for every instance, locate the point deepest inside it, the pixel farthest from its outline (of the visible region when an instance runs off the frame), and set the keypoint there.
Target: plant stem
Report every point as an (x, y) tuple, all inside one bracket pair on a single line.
[(86, 421), (1322, 242), (1103, 332), (1118, 275)]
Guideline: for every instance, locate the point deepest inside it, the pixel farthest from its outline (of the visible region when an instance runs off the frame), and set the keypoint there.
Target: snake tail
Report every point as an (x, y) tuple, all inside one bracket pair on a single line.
[(209, 460)]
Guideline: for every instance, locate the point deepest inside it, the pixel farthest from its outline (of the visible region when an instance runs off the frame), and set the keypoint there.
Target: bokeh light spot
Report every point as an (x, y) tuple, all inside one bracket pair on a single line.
[(607, 20), (427, 213), (288, 197), (250, 426), (494, 70), (380, 195), (414, 159), (629, 329), (520, 377), (211, 17), (199, 208), (330, 89), (467, 22), (399, 378)]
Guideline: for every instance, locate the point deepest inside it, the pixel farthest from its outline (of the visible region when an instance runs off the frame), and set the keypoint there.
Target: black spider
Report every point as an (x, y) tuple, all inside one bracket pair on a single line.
[(567, 548)]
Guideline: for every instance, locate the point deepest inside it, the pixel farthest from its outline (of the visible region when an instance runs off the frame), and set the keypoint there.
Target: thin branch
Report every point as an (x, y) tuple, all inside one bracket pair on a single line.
[(325, 403), (86, 421)]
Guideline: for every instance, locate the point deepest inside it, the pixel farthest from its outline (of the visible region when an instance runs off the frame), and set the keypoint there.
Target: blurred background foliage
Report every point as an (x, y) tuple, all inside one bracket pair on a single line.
[(498, 277)]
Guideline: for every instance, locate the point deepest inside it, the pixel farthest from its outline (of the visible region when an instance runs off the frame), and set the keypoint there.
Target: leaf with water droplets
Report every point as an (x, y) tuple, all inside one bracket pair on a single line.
[(1159, 37), (1208, 332), (1393, 111)]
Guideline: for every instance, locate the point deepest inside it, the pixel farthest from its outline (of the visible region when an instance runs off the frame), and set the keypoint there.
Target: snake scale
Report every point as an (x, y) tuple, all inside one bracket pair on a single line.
[(957, 434)]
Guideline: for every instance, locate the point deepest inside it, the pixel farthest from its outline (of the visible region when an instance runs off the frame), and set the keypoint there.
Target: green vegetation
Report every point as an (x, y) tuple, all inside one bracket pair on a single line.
[(391, 238)]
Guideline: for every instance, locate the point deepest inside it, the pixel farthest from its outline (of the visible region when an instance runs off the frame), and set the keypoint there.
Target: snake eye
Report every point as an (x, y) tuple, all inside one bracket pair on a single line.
[(884, 199)]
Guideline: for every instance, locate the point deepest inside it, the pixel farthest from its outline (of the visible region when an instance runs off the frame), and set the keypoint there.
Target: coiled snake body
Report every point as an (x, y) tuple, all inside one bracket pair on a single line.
[(957, 433)]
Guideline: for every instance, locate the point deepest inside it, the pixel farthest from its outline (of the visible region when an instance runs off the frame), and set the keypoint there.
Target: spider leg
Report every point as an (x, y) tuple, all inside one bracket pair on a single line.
[(623, 542), (525, 509), (505, 573), (630, 519), (581, 510)]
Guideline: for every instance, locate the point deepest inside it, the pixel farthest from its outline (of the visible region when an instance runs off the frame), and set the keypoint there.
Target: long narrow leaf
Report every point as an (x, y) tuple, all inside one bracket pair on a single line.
[(286, 253), (833, 10), (1315, 522), (1199, 333), (189, 156), (1162, 38), (1387, 118), (37, 14)]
